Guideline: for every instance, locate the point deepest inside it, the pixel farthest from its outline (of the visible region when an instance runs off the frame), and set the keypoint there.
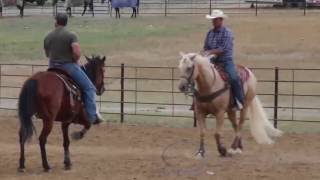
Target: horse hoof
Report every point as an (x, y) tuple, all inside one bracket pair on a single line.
[(47, 170), (77, 135), (67, 168), (232, 151), (199, 155), (238, 151), (223, 151), (21, 170)]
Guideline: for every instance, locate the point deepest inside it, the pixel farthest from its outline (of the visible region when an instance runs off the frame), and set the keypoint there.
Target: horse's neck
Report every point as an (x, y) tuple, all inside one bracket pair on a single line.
[(208, 80)]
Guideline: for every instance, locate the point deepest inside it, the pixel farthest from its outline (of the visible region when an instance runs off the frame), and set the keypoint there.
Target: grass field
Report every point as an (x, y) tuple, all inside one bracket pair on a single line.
[(264, 41)]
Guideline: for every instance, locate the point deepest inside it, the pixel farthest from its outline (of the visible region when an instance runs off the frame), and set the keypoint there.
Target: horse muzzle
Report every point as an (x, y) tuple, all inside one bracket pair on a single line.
[(101, 91)]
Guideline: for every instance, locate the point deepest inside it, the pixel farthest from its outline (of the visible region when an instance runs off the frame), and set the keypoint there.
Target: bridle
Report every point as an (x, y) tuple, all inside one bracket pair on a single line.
[(190, 82)]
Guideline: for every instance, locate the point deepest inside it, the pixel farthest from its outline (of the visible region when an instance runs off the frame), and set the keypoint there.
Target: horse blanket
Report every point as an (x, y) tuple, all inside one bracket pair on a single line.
[(124, 3)]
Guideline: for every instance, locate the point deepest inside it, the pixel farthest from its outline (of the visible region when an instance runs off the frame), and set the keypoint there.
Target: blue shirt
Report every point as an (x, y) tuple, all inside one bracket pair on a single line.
[(221, 39)]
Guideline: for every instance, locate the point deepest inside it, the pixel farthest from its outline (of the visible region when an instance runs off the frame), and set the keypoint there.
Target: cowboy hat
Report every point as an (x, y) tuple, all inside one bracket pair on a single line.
[(216, 13)]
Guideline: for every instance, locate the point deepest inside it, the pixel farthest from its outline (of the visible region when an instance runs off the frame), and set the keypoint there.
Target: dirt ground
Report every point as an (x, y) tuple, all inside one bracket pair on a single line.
[(127, 152)]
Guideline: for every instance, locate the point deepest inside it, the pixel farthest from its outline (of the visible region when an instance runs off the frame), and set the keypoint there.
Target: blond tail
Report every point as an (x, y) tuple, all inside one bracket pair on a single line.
[(261, 128)]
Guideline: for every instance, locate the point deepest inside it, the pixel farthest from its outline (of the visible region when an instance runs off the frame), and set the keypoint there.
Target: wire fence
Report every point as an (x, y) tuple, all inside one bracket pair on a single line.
[(175, 7), (291, 95)]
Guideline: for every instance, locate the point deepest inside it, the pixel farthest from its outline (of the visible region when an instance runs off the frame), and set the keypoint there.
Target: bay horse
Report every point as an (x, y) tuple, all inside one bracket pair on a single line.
[(212, 96), (46, 96)]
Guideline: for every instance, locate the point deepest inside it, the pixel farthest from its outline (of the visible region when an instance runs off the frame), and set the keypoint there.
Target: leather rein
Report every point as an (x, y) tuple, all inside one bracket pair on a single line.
[(204, 98)]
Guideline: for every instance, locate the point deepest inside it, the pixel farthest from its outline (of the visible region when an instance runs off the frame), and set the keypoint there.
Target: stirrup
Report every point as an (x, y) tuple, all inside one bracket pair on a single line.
[(239, 105)]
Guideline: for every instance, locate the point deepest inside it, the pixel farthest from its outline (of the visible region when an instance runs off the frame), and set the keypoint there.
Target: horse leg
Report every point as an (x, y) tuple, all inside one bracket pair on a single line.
[(84, 8), (236, 141), (47, 127), (22, 158), (69, 11), (21, 8), (219, 120), (243, 115), (202, 126), (133, 12), (66, 142), (91, 8), (1, 9), (118, 13)]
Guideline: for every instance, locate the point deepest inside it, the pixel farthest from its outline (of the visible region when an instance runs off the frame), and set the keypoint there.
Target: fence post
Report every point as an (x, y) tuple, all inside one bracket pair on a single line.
[(165, 7), (194, 119), (305, 7), (276, 90), (210, 7), (122, 94), (256, 7), (0, 83)]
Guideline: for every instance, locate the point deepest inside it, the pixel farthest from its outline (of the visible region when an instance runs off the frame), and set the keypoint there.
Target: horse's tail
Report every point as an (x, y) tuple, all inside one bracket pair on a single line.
[(261, 128), (27, 108)]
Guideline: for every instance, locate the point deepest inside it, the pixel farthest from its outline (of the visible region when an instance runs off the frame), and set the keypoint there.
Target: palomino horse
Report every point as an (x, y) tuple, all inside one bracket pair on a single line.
[(46, 96), (212, 96)]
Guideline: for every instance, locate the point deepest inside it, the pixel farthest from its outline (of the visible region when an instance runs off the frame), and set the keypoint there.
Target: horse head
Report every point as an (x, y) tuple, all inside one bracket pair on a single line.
[(94, 68), (188, 73)]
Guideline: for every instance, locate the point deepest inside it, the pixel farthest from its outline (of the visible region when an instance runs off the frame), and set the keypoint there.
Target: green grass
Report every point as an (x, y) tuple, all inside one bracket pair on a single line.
[(21, 39)]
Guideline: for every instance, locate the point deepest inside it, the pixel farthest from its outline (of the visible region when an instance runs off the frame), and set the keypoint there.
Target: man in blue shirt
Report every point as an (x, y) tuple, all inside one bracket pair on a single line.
[(219, 44)]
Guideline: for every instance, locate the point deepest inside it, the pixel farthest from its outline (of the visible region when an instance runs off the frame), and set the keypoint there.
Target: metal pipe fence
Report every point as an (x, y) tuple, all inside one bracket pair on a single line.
[(291, 95), (176, 7)]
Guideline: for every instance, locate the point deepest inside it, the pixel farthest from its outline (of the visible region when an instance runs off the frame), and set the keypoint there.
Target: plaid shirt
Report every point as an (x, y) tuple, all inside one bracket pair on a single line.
[(222, 39)]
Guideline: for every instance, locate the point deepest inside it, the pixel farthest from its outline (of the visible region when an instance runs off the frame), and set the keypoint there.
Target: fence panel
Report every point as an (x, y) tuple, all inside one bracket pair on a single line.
[(287, 94)]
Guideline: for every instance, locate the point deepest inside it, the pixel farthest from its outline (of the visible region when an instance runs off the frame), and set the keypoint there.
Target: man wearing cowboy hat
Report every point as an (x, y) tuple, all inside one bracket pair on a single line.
[(219, 45)]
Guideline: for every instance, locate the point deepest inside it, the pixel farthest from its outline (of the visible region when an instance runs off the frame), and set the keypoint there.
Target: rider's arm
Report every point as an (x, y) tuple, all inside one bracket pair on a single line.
[(46, 47), (76, 51), (225, 44)]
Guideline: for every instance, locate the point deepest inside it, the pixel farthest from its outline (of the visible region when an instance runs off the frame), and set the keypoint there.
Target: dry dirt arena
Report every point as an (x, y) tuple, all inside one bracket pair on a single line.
[(126, 152)]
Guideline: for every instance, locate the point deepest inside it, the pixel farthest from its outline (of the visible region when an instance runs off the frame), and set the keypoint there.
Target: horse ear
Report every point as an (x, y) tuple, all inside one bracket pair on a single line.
[(193, 57), (104, 58), (87, 58), (182, 53)]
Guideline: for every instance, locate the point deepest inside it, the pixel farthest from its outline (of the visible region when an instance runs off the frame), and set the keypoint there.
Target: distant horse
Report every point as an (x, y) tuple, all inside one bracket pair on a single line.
[(213, 96), (19, 3), (117, 4), (75, 3), (47, 96)]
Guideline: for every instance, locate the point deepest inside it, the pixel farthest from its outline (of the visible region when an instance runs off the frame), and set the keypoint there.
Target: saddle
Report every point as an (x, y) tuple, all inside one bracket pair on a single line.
[(71, 87), (243, 73)]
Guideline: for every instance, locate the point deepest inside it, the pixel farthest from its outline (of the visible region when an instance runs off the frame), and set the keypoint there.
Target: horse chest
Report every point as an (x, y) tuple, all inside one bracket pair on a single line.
[(213, 107)]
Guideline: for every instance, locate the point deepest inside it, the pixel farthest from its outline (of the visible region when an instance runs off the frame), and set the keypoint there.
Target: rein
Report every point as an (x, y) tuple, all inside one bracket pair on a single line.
[(212, 96)]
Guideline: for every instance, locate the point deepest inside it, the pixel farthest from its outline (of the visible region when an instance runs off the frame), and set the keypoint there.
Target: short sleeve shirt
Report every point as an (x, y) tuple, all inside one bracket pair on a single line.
[(58, 45)]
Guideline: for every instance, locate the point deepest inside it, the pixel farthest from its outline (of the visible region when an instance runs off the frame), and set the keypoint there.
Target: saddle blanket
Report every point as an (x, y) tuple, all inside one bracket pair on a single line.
[(243, 73)]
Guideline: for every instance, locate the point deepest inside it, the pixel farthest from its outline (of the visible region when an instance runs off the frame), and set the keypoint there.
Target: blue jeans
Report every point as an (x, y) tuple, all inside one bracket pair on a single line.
[(87, 88), (234, 79)]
